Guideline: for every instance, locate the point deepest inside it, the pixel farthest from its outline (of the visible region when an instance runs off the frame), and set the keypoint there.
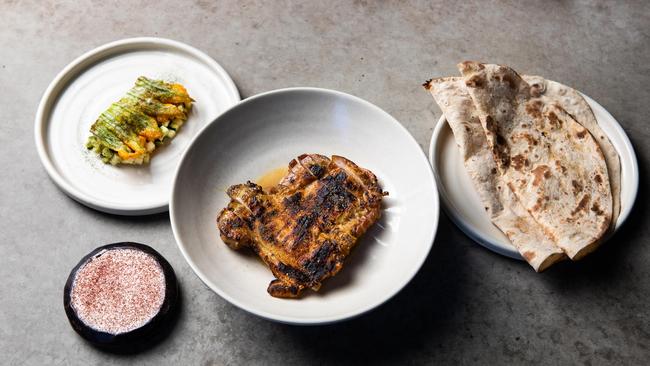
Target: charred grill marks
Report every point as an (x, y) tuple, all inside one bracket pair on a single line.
[(302, 228), (322, 261), (333, 194), (317, 171)]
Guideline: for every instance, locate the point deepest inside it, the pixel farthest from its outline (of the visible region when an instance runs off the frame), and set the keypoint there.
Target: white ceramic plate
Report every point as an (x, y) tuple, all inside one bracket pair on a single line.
[(88, 85), (265, 132), (462, 203)]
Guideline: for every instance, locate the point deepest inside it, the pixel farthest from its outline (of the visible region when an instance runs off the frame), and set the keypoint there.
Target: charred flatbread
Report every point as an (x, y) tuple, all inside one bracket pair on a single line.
[(572, 102), (502, 206), (551, 162)]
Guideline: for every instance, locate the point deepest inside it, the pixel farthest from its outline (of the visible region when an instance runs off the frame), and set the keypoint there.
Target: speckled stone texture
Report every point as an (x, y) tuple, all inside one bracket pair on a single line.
[(466, 306)]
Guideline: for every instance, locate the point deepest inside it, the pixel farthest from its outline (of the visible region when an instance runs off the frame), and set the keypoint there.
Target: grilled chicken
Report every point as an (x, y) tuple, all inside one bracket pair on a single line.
[(305, 227)]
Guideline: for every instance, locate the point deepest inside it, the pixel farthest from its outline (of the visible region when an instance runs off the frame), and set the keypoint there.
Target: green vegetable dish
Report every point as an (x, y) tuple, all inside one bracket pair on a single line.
[(149, 115)]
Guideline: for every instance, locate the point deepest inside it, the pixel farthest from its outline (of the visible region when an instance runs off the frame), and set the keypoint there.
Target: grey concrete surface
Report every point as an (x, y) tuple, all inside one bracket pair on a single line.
[(466, 306)]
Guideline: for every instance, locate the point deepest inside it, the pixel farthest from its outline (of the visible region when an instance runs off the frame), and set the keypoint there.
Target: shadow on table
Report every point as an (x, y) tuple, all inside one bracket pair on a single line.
[(423, 315), (414, 317), (157, 217)]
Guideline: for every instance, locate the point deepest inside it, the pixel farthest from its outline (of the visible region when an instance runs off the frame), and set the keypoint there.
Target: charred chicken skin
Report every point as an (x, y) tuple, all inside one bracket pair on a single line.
[(305, 227)]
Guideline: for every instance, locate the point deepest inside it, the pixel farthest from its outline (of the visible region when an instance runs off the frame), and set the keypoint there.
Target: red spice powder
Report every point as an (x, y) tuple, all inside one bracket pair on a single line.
[(118, 290)]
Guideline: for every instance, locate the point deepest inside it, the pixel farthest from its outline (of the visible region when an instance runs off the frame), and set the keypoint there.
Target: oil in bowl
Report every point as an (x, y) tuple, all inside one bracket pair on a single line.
[(270, 179)]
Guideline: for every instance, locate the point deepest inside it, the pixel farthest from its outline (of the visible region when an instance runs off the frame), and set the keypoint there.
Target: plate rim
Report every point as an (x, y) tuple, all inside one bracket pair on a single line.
[(78, 66), (475, 234), (289, 319)]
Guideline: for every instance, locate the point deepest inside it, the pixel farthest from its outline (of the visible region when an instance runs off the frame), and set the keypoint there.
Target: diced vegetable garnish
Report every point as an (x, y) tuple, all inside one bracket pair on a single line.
[(150, 114)]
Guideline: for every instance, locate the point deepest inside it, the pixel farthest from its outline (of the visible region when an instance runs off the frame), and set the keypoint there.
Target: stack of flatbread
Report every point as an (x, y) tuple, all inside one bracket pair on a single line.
[(548, 176)]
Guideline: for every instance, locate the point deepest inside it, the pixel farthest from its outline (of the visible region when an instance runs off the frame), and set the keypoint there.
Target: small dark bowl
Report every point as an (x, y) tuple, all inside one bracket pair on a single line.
[(138, 339)]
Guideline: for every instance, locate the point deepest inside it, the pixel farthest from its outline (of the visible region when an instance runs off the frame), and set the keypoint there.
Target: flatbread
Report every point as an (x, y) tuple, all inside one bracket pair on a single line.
[(572, 102), (501, 204), (551, 162)]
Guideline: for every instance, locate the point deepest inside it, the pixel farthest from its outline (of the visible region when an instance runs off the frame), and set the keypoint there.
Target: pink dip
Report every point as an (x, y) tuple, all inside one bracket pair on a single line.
[(118, 290)]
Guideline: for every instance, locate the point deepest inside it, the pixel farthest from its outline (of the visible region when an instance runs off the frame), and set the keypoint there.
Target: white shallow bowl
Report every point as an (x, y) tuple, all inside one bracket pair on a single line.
[(462, 203), (267, 131), (88, 85)]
